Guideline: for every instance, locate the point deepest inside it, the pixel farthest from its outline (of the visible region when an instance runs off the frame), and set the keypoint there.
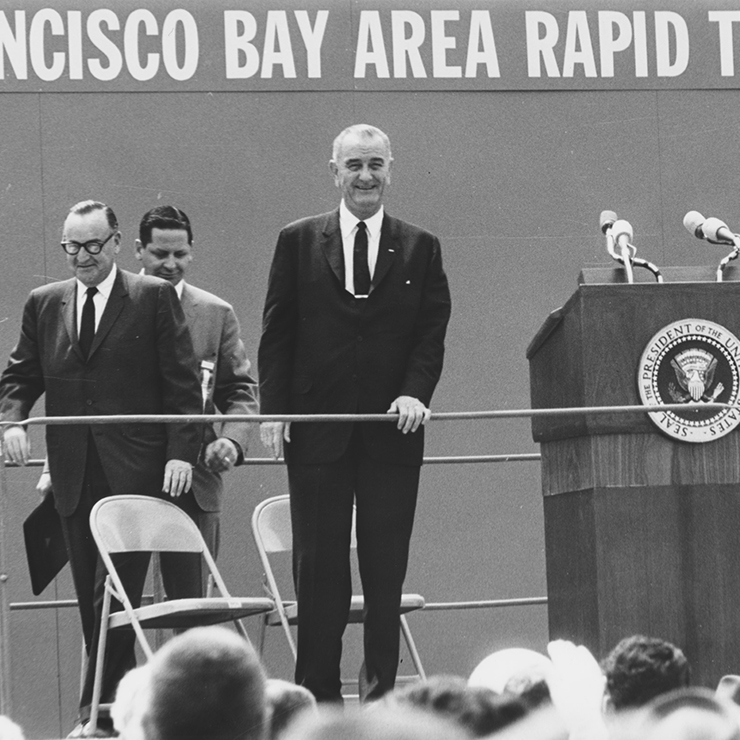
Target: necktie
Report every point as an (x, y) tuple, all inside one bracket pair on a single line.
[(361, 270), (87, 325)]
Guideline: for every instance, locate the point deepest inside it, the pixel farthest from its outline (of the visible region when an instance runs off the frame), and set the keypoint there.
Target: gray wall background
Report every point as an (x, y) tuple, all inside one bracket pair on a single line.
[(513, 184)]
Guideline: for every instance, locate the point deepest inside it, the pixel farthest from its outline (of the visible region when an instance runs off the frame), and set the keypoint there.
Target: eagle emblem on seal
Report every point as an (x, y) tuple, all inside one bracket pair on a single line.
[(694, 370)]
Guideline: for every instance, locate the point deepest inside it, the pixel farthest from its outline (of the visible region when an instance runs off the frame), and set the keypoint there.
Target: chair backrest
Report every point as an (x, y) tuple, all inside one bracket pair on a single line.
[(130, 523), (272, 529)]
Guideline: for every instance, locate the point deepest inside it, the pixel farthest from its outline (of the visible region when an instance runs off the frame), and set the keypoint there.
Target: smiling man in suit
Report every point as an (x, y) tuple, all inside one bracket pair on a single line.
[(164, 248), (105, 342), (354, 322)]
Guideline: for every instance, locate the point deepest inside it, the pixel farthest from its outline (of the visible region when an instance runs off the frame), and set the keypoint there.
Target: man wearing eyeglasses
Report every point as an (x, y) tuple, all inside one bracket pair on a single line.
[(106, 342)]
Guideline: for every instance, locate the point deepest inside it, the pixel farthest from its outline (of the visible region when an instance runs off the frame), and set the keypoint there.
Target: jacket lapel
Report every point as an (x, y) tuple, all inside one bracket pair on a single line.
[(68, 315), (189, 305), (113, 308), (332, 245), (387, 250)]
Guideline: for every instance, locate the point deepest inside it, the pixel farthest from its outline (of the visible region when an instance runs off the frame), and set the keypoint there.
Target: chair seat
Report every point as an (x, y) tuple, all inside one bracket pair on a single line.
[(409, 603), (183, 613)]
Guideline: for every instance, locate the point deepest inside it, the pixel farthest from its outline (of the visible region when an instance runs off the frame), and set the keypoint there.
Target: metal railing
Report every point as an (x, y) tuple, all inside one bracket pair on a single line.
[(6, 607)]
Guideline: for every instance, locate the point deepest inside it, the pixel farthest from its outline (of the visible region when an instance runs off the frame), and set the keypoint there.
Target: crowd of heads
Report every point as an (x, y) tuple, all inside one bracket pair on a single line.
[(208, 683)]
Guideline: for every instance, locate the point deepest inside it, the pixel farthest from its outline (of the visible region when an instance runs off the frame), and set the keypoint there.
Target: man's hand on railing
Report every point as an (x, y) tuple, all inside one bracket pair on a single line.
[(412, 413), (178, 475), (17, 446), (272, 434)]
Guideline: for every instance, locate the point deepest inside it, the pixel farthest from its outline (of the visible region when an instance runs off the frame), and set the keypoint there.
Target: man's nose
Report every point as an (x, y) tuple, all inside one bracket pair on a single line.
[(170, 263)]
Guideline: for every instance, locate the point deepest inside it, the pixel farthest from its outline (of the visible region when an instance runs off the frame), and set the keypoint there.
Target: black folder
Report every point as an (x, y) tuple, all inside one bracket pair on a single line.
[(45, 549)]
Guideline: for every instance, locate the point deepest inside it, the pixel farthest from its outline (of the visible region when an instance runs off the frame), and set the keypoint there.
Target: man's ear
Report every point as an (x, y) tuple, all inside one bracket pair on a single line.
[(334, 170), (139, 249)]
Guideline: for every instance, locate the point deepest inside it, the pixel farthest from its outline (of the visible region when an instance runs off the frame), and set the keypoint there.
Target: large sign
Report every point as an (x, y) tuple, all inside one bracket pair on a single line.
[(231, 45)]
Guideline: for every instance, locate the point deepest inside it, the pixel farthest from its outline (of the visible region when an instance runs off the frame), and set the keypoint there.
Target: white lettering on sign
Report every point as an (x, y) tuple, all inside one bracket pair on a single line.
[(408, 36), (618, 33), (242, 56), (724, 20), (30, 38)]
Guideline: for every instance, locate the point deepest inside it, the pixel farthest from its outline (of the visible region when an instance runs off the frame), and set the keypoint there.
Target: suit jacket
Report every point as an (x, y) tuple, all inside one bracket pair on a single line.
[(323, 351), (141, 362), (214, 329)]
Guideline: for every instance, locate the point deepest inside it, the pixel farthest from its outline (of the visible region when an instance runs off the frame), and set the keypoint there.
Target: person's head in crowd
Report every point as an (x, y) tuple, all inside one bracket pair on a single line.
[(691, 713), (381, 722), (516, 667), (285, 703), (530, 687), (640, 668), (128, 707), (478, 710), (206, 683), (165, 243), (729, 688), (9, 730), (91, 240)]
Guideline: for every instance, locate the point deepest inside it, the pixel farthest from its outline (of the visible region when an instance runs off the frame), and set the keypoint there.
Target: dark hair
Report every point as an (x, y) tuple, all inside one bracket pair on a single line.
[(88, 206), (479, 710), (163, 217), (206, 683), (640, 668)]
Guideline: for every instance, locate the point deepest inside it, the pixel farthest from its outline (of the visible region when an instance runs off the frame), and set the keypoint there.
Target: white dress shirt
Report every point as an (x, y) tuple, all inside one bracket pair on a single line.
[(348, 226), (100, 299)]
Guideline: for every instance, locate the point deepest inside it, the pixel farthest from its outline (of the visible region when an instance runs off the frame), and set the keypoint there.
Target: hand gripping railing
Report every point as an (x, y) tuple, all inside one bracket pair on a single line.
[(5, 606)]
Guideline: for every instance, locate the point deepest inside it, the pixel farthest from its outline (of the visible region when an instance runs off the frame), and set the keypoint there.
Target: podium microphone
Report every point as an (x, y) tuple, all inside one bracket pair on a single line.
[(606, 220), (693, 222), (715, 232), (619, 235), (711, 229)]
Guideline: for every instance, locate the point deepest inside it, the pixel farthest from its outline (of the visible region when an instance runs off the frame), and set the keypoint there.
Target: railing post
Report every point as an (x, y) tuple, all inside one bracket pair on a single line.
[(5, 700)]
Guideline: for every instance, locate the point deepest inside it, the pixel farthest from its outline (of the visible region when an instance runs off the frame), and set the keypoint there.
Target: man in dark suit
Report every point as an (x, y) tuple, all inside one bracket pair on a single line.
[(354, 322), (164, 247), (105, 342)]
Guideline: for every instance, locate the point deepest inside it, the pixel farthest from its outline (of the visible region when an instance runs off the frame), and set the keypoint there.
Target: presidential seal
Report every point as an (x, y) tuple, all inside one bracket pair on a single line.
[(692, 361)]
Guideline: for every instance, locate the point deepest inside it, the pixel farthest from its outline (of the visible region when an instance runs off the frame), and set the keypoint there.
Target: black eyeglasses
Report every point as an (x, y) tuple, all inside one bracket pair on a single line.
[(94, 246)]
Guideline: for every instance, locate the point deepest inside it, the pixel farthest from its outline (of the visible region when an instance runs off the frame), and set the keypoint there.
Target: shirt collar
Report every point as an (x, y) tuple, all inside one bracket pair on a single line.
[(178, 288), (348, 221), (104, 288)]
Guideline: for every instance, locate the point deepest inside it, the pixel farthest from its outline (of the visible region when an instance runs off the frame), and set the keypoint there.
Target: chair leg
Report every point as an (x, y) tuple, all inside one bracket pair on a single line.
[(242, 630), (100, 660), (263, 631), (415, 657), (83, 664), (288, 634)]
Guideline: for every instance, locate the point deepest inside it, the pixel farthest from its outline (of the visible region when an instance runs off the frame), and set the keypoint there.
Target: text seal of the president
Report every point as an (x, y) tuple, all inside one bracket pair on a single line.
[(692, 361)]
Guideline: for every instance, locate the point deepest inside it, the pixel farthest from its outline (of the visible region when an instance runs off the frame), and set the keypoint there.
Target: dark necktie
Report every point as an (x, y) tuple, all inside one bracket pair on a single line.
[(361, 269), (87, 325)]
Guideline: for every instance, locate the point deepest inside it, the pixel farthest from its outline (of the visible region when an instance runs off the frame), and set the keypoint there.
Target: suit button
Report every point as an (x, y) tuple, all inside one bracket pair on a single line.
[(89, 402), (359, 339)]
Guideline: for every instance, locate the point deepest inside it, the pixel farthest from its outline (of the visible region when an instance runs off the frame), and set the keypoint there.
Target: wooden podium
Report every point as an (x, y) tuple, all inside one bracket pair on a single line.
[(642, 531)]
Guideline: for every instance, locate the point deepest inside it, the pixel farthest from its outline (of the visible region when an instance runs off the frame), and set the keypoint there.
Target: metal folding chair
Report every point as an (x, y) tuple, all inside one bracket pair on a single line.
[(272, 534), (144, 524)]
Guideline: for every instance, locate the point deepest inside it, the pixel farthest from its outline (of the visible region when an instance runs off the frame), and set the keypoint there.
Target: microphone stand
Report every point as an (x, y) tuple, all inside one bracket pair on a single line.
[(731, 256), (628, 259)]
